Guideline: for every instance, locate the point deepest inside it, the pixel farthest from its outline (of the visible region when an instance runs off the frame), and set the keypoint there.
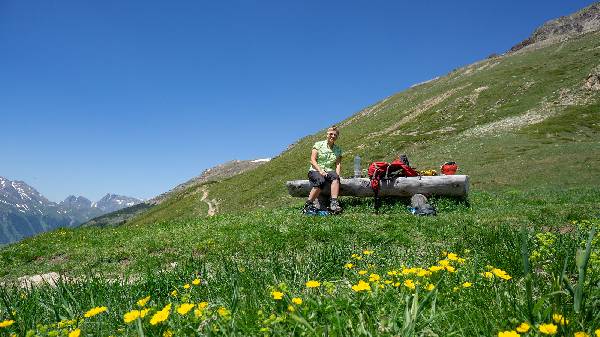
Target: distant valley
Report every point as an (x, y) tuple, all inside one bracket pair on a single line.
[(25, 212)]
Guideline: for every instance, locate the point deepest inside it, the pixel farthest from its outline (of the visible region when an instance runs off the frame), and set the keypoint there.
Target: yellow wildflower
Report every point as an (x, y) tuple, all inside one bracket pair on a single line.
[(408, 271), (291, 308), (450, 269), (597, 332), (501, 274), (367, 252), (162, 315), (142, 302), (75, 333), (452, 257), (524, 327), (581, 334), (277, 295), (174, 293), (410, 284), (388, 281), (397, 284), (392, 272), (131, 316), (348, 266), (444, 263), (94, 311), (186, 286), (422, 272), (168, 333), (144, 312), (460, 260), (313, 284), (430, 287), (487, 274), (362, 272), (467, 284), (356, 257), (361, 286), (559, 319), (196, 282), (511, 333), (548, 329), (202, 305), (223, 312), (374, 278), (6, 323), (297, 300), (185, 308), (435, 268)]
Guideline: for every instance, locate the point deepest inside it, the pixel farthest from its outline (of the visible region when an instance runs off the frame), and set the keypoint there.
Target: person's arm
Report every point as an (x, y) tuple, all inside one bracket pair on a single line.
[(338, 166), (313, 162)]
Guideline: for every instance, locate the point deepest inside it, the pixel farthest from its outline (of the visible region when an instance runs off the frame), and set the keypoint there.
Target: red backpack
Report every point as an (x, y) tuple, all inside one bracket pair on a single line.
[(383, 170)]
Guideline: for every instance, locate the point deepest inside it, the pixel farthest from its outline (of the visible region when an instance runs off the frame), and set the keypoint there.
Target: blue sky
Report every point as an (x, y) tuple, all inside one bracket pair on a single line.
[(134, 97)]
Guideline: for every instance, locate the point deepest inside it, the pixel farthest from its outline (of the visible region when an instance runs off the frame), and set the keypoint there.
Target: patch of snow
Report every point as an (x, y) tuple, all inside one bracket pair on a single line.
[(261, 160)]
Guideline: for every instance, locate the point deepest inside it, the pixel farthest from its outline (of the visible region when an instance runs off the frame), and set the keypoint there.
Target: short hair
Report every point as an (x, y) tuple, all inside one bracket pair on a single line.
[(334, 128)]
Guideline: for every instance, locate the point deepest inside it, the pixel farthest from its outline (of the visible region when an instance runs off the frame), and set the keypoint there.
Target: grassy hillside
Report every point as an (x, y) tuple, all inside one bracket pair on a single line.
[(518, 121)]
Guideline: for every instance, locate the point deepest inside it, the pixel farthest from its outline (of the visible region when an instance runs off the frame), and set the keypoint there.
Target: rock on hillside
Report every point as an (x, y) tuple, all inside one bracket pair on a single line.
[(584, 21)]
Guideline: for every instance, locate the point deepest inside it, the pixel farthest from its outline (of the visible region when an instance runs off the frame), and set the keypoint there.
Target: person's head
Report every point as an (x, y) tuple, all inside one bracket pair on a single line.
[(332, 134)]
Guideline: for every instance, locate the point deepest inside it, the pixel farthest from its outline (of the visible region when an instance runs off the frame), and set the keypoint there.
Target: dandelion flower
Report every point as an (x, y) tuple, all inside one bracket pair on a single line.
[(559, 319), (162, 315), (168, 333), (94, 311), (142, 302), (131, 316), (444, 263), (510, 333), (392, 272), (581, 334), (501, 274), (297, 300), (196, 282), (435, 268), (409, 284), (356, 257), (361, 286), (186, 286), (487, 274), (313, 284), (185, 308), (144, 312), (374, 278), (597, 332), (367, 252), (291, 308), (467, 284), (277, 295), (223, 312), (6, 323), (429, 287), (362, 272), (450, 269), (75, 333), (202, 305), (452, 257), (548, 329), (174, 293), (524, 327)]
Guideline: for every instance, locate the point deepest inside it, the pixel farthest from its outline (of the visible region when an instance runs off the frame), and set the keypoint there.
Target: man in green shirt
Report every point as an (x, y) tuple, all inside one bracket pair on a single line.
[(325, 167)]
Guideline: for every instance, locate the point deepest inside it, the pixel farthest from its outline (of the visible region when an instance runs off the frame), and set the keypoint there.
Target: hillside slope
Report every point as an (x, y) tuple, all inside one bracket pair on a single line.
[(520, 120)]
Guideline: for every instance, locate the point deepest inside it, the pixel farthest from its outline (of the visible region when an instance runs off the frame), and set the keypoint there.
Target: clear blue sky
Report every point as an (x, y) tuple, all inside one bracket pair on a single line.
[(134, 97)]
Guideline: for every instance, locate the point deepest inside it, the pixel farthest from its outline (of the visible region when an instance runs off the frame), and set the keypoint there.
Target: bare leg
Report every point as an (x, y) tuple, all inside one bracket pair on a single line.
[(335, 188), (314, 193)]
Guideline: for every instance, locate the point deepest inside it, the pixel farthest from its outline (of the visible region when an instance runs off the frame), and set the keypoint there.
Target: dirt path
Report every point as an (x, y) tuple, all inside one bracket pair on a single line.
[(212, 204)]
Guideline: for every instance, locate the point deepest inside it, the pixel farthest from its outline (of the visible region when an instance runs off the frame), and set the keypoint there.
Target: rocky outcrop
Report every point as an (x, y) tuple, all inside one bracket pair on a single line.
[(566, 27), (592, 82)]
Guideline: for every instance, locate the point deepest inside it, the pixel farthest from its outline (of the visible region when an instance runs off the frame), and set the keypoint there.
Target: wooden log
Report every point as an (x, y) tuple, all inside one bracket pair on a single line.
[(451, 185)]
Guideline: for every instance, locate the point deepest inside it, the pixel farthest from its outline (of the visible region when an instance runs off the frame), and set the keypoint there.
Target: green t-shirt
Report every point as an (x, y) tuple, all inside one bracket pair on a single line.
[(326, 157)]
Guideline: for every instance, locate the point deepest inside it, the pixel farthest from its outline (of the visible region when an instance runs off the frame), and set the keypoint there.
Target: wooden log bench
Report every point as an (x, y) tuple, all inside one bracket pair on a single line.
[(444, 185)]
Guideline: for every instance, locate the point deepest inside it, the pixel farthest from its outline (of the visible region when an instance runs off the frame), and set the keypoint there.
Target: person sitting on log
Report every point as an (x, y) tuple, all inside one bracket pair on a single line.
[(324, 157)]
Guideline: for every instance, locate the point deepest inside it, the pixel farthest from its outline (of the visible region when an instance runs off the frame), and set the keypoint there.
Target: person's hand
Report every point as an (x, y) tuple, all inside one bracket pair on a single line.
[(323, 173)]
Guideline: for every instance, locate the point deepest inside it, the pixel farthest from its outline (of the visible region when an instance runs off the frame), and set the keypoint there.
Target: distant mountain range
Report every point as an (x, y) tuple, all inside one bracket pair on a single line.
[(25, 212)]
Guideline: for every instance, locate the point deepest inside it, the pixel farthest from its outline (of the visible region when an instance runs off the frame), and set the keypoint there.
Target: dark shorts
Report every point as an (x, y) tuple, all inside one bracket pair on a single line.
[(317, 180)]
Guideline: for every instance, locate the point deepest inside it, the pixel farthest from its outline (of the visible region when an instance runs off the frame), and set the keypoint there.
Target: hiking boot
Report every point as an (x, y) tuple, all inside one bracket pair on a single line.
[(334, 207), (309, 208)]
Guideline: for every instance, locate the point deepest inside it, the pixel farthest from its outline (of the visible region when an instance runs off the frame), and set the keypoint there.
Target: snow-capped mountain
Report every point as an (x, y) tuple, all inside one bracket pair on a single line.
[(25, 212)]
